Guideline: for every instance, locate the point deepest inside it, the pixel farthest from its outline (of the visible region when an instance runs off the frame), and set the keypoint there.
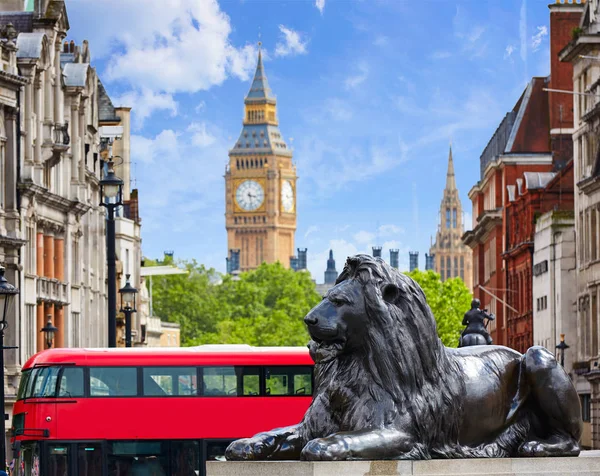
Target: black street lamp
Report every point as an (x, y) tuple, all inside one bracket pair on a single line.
[(7, 291), (49, 330), (111, 196), (562, 346), (128, 293)]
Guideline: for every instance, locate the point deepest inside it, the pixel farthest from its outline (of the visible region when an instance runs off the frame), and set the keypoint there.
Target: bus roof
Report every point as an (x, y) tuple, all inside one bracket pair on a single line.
[(214, 354)]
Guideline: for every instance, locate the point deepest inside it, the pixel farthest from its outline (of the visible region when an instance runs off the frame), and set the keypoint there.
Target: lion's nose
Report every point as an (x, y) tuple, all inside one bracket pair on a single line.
[(310, 320)]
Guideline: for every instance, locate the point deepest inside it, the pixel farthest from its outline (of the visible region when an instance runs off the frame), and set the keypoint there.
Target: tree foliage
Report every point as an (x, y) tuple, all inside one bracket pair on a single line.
[(265, 306), (449, 300)]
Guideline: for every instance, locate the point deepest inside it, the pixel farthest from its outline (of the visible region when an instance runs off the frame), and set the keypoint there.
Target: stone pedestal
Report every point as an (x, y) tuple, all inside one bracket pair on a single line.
[(587, 464)]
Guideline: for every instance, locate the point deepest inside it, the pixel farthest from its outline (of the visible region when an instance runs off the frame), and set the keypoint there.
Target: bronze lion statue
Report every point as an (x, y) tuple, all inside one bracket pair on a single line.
[(387, 388)]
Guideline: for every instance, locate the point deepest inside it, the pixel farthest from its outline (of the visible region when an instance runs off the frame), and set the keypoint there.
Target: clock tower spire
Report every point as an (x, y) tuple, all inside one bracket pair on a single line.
[(260, 184)]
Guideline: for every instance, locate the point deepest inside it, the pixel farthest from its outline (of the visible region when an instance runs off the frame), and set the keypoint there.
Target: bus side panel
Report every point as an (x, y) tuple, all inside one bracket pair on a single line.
[(177, 418)]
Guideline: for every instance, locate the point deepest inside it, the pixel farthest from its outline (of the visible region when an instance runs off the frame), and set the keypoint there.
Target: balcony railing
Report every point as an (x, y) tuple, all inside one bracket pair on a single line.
[(52, 290), (61, 134)]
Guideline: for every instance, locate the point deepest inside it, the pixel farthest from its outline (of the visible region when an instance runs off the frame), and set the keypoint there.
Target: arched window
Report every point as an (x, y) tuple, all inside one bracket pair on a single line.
[(455, 266), (447, 218), (448, 267), (454, 218)]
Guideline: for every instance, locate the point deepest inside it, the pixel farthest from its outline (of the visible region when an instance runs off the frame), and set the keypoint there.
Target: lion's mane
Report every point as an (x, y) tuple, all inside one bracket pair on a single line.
[(404, 360)]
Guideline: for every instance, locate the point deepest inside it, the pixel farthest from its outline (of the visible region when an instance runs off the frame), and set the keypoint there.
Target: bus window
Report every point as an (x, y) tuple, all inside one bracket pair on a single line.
[(71, 382), (113, 381), (288, 380), (185, 458), (170, 381), (43, 382), (219, 381), (23, 384), (249, 380), (133, 458), (89, 459), (58, 460)]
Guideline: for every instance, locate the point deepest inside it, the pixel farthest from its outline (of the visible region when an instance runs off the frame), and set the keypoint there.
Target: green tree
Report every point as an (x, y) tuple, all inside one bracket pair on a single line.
[(263, 307), (449, 300)]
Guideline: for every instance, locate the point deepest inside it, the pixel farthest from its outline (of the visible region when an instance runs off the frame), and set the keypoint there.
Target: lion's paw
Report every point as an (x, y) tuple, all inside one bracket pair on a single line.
[(249, 449), (326, 449)]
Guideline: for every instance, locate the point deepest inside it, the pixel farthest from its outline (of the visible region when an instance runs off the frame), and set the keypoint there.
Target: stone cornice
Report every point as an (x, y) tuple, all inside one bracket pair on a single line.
[(486, 222), (54, 201), (589, 185), (13, 78), (9, 241)]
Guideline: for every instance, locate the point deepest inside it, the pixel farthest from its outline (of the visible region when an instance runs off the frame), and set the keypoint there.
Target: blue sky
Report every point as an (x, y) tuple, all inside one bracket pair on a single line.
[(370, 94)]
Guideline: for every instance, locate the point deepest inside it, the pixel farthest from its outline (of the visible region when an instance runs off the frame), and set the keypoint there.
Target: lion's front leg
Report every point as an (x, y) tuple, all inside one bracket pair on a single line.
[(365, 445), (278, 444)]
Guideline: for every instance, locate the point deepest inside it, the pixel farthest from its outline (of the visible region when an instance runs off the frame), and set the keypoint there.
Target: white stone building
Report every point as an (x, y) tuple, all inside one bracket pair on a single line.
[(555, 294), (584, 54), (52, 227)]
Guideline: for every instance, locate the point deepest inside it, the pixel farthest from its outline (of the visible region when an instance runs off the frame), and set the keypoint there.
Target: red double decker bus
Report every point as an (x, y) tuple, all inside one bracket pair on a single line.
[(126, 412)]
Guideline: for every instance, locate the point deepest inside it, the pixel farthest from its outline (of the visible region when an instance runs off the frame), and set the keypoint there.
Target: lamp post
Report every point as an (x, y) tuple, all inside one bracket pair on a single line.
[(49, 330), (562, 346), (128, 293), (111, 194), (7, 291)]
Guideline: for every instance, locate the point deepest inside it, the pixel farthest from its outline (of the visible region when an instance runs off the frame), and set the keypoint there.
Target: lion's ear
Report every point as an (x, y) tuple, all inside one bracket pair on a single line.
[(390, 293)]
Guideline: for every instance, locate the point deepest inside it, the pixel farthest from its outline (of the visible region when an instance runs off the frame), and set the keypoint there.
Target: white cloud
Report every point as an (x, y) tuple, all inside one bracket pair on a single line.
[(200, 136), (201, 105), (470, 34), (145, 102), (364, 237), (356, 80), (338, 109), (523, 30), (179, 176), (182, 48), (381, 41), (508, 52), (291, 43), (536, 40), (320, 4), (436, 55), (389, 229), (311, 229)]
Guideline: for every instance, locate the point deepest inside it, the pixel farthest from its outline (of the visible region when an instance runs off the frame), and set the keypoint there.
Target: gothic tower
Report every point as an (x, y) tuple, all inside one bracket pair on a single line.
[(260, 185), (451, 256), (331, 273)]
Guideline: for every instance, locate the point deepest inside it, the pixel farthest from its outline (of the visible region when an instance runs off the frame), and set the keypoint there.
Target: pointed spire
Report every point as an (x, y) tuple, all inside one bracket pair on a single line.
[(260, 90), (450, 180)]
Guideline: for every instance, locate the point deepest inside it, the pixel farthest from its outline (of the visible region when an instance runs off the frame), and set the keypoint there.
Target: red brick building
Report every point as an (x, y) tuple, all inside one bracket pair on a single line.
[(531, 196), (535, 136)]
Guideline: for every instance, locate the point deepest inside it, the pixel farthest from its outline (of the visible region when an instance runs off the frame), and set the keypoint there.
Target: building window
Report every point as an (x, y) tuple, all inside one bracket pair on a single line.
[(586, 411), (442, 268), (30, 263), (75, 262), (2, 176), (30, 330), (447, 218), (454, 218), (593, 235), (75, 340), (448, 267), (455, 266)]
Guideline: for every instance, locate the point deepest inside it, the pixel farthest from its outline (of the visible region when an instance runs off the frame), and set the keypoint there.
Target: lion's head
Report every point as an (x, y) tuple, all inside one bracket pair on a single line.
[(379, 314)]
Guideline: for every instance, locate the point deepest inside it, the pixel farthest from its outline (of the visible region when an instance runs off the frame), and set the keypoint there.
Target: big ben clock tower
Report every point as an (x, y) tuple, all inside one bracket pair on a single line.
[(260, 185)]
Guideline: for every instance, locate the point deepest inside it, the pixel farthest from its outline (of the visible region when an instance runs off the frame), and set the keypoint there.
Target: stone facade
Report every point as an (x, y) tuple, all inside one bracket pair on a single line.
[(260, 185), (452, 258), (52, 227), (586, 152)]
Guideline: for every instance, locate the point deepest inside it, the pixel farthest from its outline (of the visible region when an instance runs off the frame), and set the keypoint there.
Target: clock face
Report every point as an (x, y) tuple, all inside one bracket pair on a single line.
[(249, 195), (287, 196)]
